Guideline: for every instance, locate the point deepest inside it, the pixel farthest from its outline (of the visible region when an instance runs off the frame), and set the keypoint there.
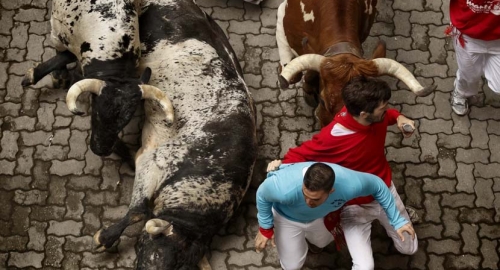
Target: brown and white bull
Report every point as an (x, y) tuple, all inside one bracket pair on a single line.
[(191, 175), (324, 39), (103, 37)]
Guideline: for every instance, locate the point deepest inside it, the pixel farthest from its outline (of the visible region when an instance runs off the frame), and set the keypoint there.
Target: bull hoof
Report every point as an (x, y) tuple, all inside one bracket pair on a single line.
[(29, 78), (426, 91), (101, 244)]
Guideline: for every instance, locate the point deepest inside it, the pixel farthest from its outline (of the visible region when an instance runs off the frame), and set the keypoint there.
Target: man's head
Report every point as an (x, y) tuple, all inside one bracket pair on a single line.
[(318, 184), (366, 98)]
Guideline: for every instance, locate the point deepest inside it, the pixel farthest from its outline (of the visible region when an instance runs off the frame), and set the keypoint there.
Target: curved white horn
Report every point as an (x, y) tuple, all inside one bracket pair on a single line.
[(393, 68), (153, 93), (303, 62), (86, 85), (156, 226)]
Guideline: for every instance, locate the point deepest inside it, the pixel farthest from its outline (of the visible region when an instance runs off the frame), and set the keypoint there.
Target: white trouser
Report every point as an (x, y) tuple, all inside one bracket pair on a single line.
[(476, 58), (356, 221), (290, 237)]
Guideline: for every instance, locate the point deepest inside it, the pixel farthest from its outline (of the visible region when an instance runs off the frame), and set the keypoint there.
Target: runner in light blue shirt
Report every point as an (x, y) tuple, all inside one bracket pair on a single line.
[(293, 200)]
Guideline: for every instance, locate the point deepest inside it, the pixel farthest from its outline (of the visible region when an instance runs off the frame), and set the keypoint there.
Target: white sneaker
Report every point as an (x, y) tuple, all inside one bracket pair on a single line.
[(459, 104)]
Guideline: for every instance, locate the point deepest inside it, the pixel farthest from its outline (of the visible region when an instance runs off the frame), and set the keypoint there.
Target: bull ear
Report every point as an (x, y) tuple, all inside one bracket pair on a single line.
[(156, 226), (86, 85), (153, 93), (395, 69), (146, 75), (299, 64)]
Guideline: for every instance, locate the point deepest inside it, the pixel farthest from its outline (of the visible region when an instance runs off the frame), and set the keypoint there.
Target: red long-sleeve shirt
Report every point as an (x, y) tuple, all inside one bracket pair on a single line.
[(360, 148), (479, 19)]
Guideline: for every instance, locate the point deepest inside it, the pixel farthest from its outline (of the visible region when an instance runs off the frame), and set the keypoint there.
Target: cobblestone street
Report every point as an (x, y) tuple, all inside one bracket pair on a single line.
[(55, 193)]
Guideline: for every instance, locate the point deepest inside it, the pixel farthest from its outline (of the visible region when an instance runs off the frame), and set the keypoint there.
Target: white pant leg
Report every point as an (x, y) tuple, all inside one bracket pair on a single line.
[(356, 221), (290, 237), (470, 61), (290, 241), (317, 234), (408, 246), (492, 65), (285, 52)]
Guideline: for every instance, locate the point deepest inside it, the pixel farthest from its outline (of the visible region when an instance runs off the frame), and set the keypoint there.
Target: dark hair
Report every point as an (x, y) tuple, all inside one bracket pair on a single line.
[(364, 94), (319, 177)]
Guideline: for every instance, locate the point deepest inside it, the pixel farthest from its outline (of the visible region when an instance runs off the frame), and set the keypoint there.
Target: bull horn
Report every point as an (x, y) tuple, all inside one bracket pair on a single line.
[(393, 68), (298, 64), (156, 226), (153, 93), (85, 85)]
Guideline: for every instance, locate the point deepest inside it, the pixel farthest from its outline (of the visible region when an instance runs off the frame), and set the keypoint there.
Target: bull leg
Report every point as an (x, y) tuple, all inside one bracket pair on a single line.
[(105, 238), (148, 179), (58, 62), (204, 264)]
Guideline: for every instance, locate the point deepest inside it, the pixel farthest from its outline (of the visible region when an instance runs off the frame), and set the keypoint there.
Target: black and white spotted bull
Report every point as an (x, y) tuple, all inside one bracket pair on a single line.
[(103, 36), (192, 175)]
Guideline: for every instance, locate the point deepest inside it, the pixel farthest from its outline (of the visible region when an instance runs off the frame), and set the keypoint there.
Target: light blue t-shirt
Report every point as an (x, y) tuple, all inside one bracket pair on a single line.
[(282, 190)]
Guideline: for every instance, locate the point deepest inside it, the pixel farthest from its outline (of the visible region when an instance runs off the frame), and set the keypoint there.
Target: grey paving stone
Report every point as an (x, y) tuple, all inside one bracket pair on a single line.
[(472, 155), (444, 246), (408, 6), (269, 74), (420, 38), (15, 54), (479, 134), (484, 193), (91, 219), (19, 217), (406, 154), (14, 89), (77, 144), (435, 126), (39, 28), (477, 215), (97, 260), (458, 200), (226, 14), (78, 244), (433, 214), (37, 236), (26, 259), (447, 166), (67, 167), (50, 153), (260, 40), (15, 182), (74, 205), (245, 27), (19, 35), (429, 230), (494, 147), (68, 227), (27, 15), (408, 57), (54, 251), (47, 213), (127, 253), (245, 258), (93, 163), (252, 60), (397, 42), (45, 115), (491, 257), (9, 145), (462, 261), (7, 167), (35, 47), (57, 190), (437, 50), (270, 131), (30, 197)]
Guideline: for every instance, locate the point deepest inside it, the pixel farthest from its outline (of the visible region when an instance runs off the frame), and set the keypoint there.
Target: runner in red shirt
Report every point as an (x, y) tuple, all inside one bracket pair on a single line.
[(355, 139), (475, 27)]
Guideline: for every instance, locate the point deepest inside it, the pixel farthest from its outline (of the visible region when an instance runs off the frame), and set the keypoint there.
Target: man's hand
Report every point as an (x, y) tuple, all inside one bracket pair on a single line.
[(273, 165), (261, 242), (402, 120), (406, 228)]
